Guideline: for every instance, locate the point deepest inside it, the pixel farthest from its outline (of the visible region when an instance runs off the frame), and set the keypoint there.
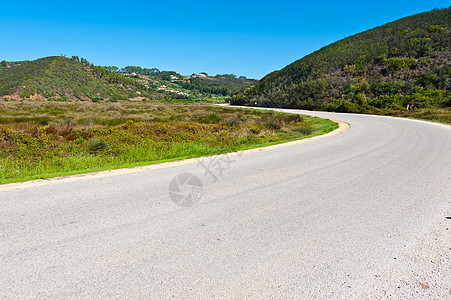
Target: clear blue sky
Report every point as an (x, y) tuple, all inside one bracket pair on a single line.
[(250, 38)]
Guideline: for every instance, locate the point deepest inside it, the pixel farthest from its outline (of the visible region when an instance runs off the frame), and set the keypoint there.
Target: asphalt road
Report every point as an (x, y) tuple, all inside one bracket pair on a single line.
[(321, 219)]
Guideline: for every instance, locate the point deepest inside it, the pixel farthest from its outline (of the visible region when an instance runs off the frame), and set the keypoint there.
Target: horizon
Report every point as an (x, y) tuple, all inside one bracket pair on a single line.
[(243, 39)]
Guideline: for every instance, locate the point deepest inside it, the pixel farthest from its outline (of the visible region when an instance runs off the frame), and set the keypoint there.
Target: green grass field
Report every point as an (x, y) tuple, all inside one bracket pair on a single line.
[(48, 139)]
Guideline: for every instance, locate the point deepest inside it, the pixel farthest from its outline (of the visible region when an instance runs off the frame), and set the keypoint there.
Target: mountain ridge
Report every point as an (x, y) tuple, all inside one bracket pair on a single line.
[(387, 67)]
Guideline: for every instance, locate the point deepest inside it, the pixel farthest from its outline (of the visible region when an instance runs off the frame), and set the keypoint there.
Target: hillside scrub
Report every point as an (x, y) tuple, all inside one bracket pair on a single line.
[(382, 69), (225, 86), (45, 139), (62, 79)]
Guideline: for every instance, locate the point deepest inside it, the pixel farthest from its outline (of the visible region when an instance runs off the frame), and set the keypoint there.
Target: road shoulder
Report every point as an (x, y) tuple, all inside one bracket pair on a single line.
[(422, 272)]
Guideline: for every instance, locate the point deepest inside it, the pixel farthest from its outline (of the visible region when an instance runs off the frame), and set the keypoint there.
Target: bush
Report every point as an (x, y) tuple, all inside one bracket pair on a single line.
[(293, 118), (274, 123), (96, 145), (303, 129)]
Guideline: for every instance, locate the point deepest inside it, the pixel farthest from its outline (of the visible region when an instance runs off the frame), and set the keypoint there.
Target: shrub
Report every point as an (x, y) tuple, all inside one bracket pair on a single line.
[(254, 129), (209, 119), (274, 123), (304, 129), (293, 118), (80, 140), (96, 145)]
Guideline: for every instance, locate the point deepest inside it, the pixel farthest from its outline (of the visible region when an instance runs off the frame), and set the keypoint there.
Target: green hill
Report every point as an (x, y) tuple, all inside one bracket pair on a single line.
[(220, 84), (385, 68), (64, 79)]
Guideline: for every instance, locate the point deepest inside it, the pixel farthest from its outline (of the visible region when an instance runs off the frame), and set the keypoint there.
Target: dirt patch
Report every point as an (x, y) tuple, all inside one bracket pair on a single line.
[(140, 98), (16, 96)]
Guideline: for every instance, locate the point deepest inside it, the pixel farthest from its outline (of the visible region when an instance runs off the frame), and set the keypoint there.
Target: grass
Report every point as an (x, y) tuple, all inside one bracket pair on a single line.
[(439, 115), (435, 115), (48, 139)]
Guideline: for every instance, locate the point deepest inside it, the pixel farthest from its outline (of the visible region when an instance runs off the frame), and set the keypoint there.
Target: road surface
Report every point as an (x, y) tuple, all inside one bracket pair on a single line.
[(361, 214)]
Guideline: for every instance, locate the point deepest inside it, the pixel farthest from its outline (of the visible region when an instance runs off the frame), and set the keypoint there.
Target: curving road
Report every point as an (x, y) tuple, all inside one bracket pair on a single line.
[(347, 216)]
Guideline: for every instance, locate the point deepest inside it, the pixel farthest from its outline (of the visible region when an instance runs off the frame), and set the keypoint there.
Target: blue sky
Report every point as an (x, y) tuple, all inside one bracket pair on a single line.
[(250, 38)]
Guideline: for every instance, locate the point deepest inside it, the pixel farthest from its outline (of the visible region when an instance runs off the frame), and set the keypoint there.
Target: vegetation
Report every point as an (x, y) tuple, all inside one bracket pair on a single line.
[(47, 139), (76, 79), (153, 72), (221, 84), (225, 85), (378, 71), (62, 79)]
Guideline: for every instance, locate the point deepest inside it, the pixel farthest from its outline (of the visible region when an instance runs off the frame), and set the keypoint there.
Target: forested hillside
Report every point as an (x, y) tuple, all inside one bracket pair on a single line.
[(402, 62), (220, 85)]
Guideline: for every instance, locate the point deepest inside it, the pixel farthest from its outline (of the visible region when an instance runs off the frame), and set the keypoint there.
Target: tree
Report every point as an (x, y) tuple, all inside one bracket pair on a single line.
[(227, 75), (3, 63)]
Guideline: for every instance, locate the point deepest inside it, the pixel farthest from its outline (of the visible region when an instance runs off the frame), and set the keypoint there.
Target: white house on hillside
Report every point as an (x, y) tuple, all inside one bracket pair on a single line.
[(199, 75)]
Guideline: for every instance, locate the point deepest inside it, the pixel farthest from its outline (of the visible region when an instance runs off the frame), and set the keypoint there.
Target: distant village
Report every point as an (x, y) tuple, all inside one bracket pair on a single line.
[(173, 77)]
